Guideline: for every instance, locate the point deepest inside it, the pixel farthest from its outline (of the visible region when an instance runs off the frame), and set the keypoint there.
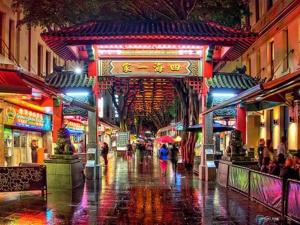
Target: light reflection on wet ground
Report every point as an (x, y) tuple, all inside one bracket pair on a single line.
[(133, 193)]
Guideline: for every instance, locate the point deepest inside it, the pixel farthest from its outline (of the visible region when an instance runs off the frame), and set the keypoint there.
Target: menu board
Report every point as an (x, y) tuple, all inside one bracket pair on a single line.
[(122, 140), (25, 118)]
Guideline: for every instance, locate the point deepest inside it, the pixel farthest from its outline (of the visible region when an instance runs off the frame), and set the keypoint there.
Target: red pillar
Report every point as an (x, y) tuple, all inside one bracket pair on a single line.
[(241, 121), (92, 69), (57, 117)]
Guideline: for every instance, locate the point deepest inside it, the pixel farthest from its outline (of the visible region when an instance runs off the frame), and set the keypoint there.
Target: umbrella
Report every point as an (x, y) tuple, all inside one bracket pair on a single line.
[(165, 139), (217, 127)]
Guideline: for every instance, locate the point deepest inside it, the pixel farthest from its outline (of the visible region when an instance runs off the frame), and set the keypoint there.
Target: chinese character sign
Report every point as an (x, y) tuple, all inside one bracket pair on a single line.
[(176, 68)]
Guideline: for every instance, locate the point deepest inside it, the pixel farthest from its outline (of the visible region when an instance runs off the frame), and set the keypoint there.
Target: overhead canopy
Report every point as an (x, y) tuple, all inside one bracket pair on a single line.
[(10, 82), (66, 40), (273, 91), (217, 127)]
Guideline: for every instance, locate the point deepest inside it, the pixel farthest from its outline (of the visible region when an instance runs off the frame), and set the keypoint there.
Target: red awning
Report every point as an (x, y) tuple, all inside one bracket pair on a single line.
[(10, 82)]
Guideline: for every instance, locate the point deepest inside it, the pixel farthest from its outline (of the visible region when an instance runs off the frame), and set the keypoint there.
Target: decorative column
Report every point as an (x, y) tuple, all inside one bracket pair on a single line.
[(57, 120), (207, 120), (241, 117)]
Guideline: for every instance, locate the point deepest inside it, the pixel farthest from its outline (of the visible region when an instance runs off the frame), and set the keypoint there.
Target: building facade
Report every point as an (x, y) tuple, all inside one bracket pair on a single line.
[(26, 111), (273, 58)]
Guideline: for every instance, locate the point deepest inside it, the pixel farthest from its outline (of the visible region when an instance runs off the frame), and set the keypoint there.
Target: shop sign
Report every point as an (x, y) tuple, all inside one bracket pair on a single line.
[(174, 68), (74, 127), (24, 118), (122, 140)]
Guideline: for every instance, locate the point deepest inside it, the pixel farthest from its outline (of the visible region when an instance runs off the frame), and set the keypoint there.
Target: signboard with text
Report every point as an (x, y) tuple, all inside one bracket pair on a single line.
[(172, 68), (25, 118), (74, 127)]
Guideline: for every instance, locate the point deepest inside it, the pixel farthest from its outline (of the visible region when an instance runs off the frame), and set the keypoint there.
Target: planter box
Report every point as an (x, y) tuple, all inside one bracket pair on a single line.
[(64, 173)]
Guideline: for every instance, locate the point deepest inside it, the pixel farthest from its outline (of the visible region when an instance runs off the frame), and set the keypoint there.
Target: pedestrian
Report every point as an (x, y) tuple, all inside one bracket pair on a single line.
[(265, 165), (288, 172), (142, 150), (281, 149), (104, 152), (260, 150), (34, 147), (81, 147), (129, 151), (174, 157), (163, 157), (268, 150)]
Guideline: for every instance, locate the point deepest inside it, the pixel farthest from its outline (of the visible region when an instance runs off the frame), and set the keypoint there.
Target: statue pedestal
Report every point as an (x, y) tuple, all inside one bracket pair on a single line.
[(64, 173)]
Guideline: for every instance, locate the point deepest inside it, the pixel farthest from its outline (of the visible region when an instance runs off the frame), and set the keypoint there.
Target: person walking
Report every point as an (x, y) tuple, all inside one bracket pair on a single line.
[(129, 151), (174, 157), (282, 147), (104, 152), (267, 152), (163, 157), (260, 150)]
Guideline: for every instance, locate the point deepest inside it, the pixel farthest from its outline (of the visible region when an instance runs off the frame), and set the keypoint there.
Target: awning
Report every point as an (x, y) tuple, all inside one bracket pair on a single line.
[(217, 127), (10, 82), (274, 91)]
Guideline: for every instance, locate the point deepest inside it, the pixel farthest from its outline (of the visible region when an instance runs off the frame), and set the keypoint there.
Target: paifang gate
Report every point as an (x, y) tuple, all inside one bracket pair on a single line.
[(150, 63)]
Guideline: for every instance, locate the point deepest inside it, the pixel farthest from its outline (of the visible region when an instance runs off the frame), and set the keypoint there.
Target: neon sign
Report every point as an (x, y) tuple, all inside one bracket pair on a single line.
[(24, 118)]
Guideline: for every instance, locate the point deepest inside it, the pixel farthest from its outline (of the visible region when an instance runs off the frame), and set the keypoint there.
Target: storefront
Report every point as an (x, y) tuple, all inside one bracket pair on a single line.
[(21, 128), (77, 131)]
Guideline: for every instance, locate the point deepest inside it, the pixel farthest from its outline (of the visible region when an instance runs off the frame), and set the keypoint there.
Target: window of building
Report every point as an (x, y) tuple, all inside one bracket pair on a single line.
[(256, 10), (48, 61), (258, 63), (249, 65), (1, 33), (40, 60), (54, 64), (285, 49), (272, 57), (29, 49), (269, 4), (11, 39)]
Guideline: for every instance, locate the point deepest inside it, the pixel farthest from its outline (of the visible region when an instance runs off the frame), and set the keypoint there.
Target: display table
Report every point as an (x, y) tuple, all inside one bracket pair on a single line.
[(64, 173)]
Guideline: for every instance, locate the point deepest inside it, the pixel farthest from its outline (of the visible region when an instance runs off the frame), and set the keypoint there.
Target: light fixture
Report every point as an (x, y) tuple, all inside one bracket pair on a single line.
[(77, 94), (262, 124), (220, 94), (292, 120), (275, 122), (78, 70)]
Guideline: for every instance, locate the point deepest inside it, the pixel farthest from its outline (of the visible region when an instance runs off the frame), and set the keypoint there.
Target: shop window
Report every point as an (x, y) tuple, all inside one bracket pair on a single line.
[(11, 39), (48, 61), (40, 60), (285, 49), (269, 4), (257, 10), (249, 65), (1, 33), (272, 57)]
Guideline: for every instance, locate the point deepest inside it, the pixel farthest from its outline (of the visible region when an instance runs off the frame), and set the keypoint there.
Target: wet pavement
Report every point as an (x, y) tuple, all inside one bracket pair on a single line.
[(133, 193)]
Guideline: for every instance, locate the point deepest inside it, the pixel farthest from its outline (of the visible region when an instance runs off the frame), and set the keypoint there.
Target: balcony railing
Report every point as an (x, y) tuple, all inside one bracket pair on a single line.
[(274, 13)]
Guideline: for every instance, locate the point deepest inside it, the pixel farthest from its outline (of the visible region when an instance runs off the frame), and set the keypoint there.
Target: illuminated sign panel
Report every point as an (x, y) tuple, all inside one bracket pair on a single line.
[(74, 127), (172, 68), (24, 118)]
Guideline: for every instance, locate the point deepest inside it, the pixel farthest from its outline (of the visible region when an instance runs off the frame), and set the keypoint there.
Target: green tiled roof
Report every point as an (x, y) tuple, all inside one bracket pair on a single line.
[(75, 111), (231, 80), (68, 79)]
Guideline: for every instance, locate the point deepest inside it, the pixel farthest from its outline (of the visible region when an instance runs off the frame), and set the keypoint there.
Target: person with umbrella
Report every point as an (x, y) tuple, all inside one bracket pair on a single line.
[(163, 158)]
